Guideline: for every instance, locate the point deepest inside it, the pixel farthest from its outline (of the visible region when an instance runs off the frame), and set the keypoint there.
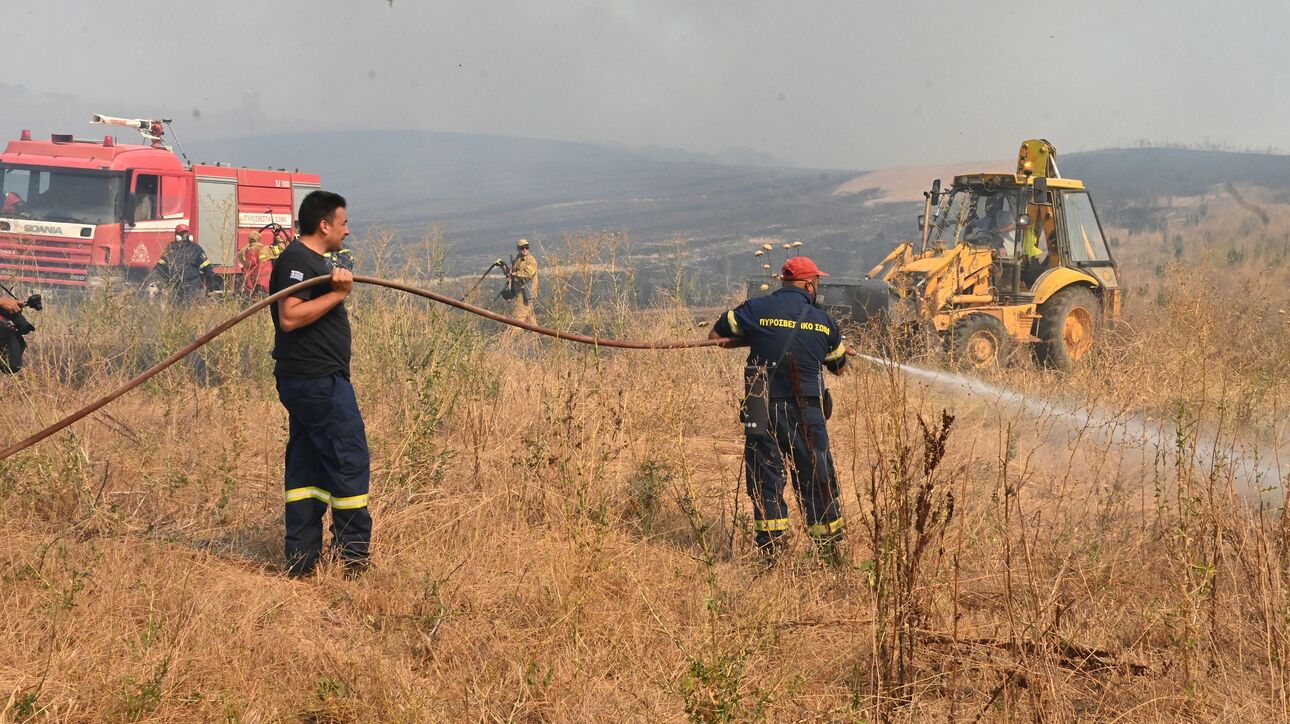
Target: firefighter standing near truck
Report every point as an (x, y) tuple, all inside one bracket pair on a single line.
[(522, 283), (791, 342), (279, 245), (253, 256), (184, 268), (327, 464)]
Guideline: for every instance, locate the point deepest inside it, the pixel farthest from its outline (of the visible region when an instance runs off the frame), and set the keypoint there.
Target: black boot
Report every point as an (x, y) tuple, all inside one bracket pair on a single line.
[(832, 551), (771, 547)]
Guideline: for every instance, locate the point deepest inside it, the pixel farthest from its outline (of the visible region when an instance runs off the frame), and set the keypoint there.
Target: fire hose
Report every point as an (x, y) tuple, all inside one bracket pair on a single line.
[(433, 296)]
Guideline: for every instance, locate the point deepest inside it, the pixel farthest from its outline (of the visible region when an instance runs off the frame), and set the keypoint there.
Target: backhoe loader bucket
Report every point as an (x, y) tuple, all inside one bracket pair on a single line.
[(862, 301)]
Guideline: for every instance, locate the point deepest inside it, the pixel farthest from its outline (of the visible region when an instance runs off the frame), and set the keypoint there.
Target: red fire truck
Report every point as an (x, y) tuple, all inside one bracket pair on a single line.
[(75, 210)]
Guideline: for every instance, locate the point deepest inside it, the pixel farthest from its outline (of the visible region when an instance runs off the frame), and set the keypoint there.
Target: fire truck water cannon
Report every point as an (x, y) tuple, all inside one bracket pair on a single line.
[(152, 130)]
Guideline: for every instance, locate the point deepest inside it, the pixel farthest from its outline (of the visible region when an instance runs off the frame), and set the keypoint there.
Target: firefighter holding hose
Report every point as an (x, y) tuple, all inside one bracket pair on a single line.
[(327, 459), (522, 283), (790, 343)]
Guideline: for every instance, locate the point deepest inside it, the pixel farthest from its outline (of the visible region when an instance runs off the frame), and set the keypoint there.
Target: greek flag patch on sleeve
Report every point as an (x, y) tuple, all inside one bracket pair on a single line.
[(298, 276)]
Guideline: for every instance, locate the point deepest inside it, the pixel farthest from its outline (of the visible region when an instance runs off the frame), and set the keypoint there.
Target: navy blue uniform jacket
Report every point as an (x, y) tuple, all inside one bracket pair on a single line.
[(790, 337)]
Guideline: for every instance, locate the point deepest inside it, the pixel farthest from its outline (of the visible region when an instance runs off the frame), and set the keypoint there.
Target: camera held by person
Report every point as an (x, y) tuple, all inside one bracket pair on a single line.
[(14, 328)]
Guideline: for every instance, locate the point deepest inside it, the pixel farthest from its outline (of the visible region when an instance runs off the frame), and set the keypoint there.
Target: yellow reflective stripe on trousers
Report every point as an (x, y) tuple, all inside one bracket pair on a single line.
[(775, 524), (734, 326), (822, 529), (351, 503), (305, 493), (837, 353), (357, 501)]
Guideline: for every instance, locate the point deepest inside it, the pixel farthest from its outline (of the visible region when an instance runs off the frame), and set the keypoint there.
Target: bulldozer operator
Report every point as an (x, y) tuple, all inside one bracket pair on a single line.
[(997, 223)]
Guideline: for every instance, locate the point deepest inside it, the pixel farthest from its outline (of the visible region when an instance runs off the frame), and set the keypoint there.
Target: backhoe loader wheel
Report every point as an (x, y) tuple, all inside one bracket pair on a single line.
[(1071, 321), (979, 342)]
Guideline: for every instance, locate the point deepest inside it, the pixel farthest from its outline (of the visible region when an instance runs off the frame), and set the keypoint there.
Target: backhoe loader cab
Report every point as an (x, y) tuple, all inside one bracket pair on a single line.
[(1003, 259)]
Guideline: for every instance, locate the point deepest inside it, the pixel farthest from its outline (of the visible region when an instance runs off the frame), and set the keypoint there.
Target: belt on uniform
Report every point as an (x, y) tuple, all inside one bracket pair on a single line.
[(808, 401)]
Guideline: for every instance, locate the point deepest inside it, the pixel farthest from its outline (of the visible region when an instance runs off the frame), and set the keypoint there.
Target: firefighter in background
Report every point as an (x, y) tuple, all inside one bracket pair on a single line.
[(274, 250), (790, 341), (522, 283), (1042, 228), (343, 258), (184, 268), (252, 257)]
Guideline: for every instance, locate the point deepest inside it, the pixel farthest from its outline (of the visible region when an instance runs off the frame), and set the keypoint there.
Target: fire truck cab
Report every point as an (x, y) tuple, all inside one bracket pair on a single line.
[(74, 209)]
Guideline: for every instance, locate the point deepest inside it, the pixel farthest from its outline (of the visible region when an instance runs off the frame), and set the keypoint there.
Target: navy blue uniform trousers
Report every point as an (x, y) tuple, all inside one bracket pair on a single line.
[(797, 444), (327, 465)]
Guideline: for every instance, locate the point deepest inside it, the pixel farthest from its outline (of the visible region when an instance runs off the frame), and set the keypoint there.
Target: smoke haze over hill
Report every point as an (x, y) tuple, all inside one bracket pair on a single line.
[(833, 84)]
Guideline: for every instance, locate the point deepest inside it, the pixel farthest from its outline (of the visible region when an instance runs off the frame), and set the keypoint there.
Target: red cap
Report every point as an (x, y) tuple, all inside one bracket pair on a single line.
[(800, 268), (181, 229)]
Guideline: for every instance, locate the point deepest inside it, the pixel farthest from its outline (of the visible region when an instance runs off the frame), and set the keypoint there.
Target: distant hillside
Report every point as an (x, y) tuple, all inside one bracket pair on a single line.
[(1139, 173), (1173, 171), (1135, 187), (1132, 186), (486, 191)]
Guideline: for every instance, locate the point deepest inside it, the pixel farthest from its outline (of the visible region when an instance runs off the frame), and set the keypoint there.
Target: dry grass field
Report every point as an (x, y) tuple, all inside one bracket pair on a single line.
[(562, 534)]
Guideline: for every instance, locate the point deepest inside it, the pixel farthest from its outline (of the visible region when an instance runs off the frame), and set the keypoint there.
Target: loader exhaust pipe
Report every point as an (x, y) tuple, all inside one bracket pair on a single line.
[(931, 200)]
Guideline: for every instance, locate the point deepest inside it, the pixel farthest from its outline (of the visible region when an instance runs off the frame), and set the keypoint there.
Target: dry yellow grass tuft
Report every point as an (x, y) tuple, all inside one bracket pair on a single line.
[(562, 533)]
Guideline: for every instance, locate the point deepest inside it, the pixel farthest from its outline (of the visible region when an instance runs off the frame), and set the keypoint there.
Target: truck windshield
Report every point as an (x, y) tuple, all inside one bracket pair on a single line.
[(980, 215), (46, 194)]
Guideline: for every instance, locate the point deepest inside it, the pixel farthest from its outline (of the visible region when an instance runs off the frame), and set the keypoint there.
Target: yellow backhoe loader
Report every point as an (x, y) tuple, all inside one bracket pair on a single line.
[(1004, 259)]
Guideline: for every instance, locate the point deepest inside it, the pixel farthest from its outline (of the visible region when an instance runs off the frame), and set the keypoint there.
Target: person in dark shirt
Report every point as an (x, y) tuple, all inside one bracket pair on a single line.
[(327, 460), (790, 343)]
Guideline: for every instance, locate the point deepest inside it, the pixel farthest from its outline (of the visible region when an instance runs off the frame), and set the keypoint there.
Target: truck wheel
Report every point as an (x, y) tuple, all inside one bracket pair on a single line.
[(1070, 322), (979, 342)]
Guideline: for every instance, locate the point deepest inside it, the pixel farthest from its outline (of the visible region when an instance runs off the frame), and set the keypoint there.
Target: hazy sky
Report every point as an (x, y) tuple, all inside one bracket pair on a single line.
[(834, 84)]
